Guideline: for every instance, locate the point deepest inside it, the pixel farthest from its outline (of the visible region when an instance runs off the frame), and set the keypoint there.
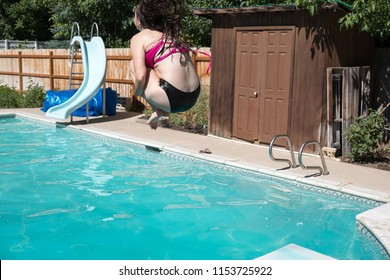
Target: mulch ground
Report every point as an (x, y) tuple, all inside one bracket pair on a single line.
[(380, 161)]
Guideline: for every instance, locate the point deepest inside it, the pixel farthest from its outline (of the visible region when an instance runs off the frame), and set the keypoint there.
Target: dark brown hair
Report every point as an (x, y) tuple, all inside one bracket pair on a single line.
[(164, 16)]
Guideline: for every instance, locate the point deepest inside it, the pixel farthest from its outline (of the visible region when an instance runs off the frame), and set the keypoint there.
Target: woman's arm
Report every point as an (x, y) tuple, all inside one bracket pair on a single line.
[(140, 70)]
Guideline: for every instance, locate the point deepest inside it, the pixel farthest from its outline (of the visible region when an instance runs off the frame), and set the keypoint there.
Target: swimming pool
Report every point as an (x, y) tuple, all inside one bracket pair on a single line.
[(65, 194)]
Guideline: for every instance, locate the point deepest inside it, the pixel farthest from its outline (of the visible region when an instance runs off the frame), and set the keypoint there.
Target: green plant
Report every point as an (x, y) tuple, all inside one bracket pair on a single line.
[(365, 135), (34, 96), (10, 98), (195, 119)]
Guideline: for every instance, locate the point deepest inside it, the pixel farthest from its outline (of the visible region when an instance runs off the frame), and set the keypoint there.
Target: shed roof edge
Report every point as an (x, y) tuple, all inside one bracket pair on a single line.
[(208, 13)]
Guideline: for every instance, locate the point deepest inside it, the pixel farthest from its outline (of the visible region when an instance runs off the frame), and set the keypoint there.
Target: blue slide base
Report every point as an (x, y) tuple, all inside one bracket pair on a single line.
[(95, 105)]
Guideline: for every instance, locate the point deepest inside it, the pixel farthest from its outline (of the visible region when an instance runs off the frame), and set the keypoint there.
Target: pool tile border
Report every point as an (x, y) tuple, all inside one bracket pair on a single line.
[(291, 181), (374, 221)]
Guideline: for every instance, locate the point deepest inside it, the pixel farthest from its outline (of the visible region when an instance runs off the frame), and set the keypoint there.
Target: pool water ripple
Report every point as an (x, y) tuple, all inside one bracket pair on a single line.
[(69, 195)]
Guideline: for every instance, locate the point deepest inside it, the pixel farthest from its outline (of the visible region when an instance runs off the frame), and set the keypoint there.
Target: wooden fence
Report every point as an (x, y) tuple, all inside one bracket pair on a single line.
[(50, 68)]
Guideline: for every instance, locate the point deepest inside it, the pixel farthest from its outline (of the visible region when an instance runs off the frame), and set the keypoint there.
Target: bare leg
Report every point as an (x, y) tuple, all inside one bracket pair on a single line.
[(155, 96)]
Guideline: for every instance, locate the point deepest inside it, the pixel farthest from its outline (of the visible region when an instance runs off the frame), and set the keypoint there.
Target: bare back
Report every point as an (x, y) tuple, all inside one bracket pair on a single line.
[(177, 68)]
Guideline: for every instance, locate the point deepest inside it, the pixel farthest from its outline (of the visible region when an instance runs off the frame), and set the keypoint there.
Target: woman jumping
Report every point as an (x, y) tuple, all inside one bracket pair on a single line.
[(161, 66)]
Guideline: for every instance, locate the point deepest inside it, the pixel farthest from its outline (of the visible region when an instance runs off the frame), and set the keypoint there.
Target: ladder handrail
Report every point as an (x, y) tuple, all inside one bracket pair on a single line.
[(72, 31), (292, 163), (71, 58), (97, 29), (324, 169), (70, 51)]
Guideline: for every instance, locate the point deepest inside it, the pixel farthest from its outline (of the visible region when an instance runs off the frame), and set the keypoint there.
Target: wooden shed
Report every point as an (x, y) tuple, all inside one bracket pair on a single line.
[(279, 70)]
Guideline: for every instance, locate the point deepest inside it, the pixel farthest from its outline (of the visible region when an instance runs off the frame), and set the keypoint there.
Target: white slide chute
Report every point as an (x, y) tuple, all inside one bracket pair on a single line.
[(94, 64)]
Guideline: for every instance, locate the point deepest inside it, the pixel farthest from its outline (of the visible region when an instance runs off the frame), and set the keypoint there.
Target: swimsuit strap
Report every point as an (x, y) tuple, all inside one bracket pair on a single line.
[(150, 55), (172, 51), (206, 54)]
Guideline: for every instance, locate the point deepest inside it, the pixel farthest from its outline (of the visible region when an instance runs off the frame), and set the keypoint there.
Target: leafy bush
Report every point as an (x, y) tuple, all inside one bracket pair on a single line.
[(10, 98), (34, 96), (195, 119), (365, 135)]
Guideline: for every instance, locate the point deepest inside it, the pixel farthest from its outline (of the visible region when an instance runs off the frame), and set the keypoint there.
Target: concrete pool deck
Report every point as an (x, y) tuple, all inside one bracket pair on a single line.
[(348, 178)]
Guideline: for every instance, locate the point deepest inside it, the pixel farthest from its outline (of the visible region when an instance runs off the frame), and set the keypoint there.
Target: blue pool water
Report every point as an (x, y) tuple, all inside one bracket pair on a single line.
[(65, 194)]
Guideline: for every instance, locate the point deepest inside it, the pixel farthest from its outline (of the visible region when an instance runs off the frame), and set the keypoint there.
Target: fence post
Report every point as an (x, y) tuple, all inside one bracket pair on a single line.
[(51, 70), (193, 58), (196, 61), (20, 71), (6, 44)]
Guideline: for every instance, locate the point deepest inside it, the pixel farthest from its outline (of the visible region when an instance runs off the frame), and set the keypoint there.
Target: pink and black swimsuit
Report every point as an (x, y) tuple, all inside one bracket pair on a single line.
[(179, 101)]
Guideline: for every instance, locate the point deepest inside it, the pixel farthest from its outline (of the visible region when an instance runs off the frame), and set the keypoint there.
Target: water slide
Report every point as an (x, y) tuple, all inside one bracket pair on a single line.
[(94, 64)]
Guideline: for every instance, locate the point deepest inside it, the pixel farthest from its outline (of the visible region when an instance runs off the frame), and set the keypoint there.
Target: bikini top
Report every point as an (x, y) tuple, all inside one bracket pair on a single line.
[(150, 55)]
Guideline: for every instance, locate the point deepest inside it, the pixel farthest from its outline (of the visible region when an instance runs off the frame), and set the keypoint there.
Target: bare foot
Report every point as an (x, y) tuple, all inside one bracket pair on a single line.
[(153, 120)]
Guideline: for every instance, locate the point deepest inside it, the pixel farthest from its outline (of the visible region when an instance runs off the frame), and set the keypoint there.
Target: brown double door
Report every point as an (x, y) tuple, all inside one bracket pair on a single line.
[(263, 74)]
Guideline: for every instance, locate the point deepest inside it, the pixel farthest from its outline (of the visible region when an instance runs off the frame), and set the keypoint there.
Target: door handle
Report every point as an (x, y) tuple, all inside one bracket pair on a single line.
[(256, 93)]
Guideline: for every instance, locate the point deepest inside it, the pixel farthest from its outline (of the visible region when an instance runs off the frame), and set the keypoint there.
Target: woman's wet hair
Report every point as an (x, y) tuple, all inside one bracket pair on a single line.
[(164, 16)]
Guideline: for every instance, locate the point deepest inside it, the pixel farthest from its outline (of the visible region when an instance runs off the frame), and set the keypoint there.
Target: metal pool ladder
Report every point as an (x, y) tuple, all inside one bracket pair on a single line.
[(73, 52), (322, 170), (73, 59), (292, 163)]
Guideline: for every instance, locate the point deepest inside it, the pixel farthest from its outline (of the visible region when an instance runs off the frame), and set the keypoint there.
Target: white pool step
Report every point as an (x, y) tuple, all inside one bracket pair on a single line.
[(294, 252)]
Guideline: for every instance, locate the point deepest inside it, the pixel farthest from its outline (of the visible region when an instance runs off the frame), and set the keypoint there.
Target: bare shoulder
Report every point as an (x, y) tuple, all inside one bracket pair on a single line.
[(136, 38), (146, 36)]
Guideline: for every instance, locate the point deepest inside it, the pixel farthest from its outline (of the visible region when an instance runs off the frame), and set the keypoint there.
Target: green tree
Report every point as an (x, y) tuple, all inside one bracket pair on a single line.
[(114, 18), (198, 29), (52, 19), (372, 16), (25, 20), (5, 26)]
